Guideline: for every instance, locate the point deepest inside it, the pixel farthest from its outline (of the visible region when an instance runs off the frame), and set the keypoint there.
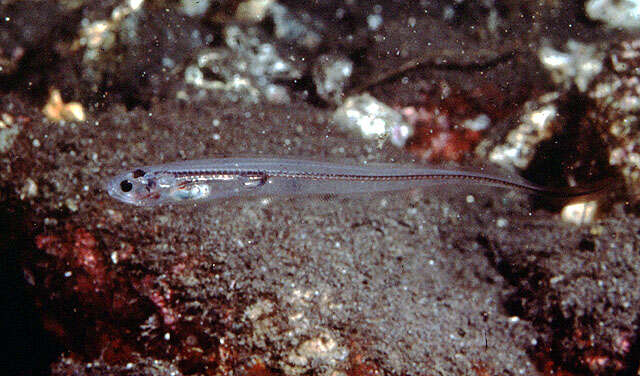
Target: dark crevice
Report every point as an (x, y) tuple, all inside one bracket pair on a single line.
[(29, 346), (632, 359), (576, 153)]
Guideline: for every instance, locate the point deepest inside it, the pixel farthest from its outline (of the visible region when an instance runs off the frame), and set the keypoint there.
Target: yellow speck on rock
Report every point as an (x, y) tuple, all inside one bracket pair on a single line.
[(57, 110)]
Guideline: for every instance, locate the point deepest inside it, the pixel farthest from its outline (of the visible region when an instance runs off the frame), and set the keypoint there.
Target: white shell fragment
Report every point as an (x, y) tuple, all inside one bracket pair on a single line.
[(578, 65), (331, 75), (372, 119), (580, 212), (537, 123), (615, 13)]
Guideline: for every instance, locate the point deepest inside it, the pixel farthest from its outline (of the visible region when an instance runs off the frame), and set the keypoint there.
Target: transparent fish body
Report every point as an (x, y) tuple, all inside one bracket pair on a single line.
[(216, 179)]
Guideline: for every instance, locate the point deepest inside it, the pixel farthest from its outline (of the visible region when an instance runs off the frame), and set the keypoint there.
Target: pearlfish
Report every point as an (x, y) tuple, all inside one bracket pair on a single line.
[(215, 179)]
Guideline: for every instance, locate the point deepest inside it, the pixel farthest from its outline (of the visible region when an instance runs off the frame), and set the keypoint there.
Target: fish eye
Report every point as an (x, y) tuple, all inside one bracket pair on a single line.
[(126, 186)]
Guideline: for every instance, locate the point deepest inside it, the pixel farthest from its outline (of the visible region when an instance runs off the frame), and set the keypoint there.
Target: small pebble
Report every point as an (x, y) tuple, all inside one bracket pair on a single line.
[(580, 212)]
